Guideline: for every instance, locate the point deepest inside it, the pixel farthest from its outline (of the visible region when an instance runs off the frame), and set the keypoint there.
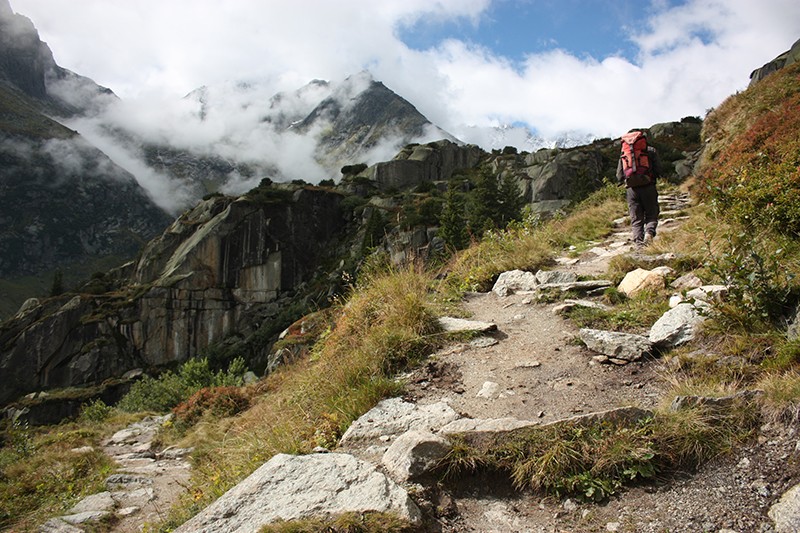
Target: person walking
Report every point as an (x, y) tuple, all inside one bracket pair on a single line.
[(638, 169)]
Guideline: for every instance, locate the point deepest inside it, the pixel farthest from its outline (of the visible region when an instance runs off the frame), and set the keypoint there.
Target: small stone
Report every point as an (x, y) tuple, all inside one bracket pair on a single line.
[(483, 342), (612, 526), (489, 390), (569, 505)]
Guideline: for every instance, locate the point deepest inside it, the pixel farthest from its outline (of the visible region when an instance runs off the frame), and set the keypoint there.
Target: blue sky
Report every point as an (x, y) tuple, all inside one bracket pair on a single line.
[(586, 66), (517, 28)]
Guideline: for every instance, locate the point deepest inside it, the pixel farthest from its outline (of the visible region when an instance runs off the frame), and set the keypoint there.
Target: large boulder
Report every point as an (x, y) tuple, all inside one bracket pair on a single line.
[(289, 487), (640, 280), (414, 454), (624, 346), (677, 326), (514, 281)]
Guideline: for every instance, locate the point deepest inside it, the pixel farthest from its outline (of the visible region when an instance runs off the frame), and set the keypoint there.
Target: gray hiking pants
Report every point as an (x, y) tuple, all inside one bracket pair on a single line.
[(643, 209)]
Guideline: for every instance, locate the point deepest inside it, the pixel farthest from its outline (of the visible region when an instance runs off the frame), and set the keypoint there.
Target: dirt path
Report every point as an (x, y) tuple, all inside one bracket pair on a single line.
[(531, 368)]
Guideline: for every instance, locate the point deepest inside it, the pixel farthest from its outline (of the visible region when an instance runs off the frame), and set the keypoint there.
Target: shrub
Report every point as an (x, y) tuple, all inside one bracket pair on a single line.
[(96, 411), (218, 401), (761, 286), (169, 389), (755, 173)]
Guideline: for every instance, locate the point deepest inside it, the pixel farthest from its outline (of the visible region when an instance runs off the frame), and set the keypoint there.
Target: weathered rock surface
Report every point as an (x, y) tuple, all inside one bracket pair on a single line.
[(514, 281), (640, 280), (786, 512), (414, 454), (677, 326), (625, 346), (423, 163), (222, 267), (393, 417), (291, 487), (460, 325)]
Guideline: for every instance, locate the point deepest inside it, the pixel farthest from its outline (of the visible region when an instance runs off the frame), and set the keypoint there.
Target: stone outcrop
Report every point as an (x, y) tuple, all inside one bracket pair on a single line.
[(784, 60), (618, 347), (423, 163), (556, 174), (677, 326), (292, 487), (222, 267)]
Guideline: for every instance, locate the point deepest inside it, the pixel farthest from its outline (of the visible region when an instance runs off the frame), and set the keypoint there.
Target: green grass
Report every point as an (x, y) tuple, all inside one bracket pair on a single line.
[(597, 459), (386, 324), (40, 475)]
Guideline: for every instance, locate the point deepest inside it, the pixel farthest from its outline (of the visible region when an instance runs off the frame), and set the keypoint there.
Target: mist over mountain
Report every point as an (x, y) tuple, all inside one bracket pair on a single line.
[(64, 204), (229, 137)]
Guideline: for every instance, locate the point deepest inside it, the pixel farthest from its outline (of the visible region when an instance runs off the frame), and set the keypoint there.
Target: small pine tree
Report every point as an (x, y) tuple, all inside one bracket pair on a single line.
[(484, 212), (510, 200), (452, 223)]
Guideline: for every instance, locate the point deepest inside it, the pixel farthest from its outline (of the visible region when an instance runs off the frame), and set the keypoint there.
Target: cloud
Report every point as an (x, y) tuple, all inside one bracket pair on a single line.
[(688, 58)]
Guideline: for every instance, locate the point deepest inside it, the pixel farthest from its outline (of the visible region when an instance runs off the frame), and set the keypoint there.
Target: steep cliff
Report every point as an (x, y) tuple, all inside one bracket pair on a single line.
[(227, 266)]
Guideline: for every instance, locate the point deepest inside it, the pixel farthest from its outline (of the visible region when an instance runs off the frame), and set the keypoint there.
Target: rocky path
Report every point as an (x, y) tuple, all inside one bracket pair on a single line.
[(526, 368), (147, 482), (532, 369)]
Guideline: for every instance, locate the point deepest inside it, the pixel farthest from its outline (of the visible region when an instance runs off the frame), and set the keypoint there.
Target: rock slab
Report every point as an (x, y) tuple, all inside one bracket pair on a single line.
[(289, 487), (624, 346), (677, 326)]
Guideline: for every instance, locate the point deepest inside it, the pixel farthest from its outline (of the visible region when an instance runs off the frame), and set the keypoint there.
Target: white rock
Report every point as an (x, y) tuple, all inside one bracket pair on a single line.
[(56, 525), (677, 326), (624, 346), (101, 501), (513, 281), (458, 325), (663, 270), (786, 512), (86, 516), (489, 390), (708, 293), (394, 417), (555, 276), (675, 299), (291, 487), (414, 454)]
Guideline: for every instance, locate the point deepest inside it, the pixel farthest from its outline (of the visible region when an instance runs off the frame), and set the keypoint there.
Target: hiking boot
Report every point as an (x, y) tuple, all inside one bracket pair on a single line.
[(648, 239)]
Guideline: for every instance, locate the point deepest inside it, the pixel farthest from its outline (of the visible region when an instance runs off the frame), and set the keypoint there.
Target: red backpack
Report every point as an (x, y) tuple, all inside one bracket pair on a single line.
[(635, 159)]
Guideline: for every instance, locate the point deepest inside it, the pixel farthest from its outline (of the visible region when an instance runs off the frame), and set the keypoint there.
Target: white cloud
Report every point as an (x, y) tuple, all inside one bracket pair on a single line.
[(691, 57)]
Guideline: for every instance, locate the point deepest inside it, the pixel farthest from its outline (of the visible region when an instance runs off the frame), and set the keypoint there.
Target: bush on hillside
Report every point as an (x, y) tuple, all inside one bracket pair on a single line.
[(755, 174), (170, 389)]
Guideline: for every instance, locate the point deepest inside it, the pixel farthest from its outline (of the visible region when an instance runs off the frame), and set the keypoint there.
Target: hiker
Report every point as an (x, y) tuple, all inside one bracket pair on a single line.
[(638, 168)]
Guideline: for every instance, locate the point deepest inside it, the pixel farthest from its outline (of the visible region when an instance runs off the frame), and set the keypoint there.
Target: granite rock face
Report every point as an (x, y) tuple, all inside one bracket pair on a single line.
[(291, 487), (219, 268)]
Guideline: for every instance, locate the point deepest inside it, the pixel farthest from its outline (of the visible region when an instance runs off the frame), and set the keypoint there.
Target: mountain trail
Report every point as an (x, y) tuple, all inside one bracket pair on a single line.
[(532, 368)]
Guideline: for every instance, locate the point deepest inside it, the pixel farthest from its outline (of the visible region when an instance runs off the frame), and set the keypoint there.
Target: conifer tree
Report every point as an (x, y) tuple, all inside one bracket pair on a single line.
[(58, 283), (452, 222), (510, 200), (485, 206)]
